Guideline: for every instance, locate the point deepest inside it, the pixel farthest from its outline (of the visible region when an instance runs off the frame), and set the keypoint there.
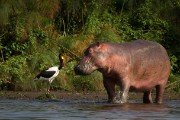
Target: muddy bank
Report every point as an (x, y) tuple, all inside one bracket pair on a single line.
[(98, 95)]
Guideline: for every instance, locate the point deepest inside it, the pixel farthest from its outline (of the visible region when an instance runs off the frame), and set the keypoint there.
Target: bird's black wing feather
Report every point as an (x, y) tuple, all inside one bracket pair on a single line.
[(46, 74)]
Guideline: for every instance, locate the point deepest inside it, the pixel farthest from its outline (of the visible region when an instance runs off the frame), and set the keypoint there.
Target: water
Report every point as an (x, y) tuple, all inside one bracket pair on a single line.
[(74, 109)]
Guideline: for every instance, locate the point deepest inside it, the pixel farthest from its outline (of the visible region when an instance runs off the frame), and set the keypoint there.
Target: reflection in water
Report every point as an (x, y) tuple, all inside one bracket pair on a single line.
[(133, 111), (86, 110), (137, 107)]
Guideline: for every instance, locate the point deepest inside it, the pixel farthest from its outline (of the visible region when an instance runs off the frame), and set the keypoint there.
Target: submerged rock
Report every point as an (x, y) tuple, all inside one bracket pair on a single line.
[(46, 96)]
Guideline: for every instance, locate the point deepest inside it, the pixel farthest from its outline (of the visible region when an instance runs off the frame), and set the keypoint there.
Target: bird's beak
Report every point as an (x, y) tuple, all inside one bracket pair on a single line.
[(62, 57)]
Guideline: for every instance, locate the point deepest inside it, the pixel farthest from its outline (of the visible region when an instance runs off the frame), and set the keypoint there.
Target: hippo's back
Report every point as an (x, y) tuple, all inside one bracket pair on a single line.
[(142, 45), (146, 50), (149, 61)]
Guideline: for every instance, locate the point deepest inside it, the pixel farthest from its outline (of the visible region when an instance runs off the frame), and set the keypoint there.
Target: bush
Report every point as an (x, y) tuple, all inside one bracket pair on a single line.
[(174, 83), (92, 82), (31, 36), (14, 73)]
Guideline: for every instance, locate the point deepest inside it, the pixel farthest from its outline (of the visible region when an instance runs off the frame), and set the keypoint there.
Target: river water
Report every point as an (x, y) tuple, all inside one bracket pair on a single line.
[(74, 109)]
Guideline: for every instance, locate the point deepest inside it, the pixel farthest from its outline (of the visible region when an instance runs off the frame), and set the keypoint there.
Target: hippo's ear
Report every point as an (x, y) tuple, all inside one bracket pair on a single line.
[(98, 44)]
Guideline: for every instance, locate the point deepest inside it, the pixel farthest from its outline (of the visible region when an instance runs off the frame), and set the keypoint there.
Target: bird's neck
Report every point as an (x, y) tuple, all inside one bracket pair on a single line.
[(61, 65)]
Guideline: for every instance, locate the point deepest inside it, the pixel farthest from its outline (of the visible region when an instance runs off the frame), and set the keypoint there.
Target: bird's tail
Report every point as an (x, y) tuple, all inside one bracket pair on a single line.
[(35, 79)]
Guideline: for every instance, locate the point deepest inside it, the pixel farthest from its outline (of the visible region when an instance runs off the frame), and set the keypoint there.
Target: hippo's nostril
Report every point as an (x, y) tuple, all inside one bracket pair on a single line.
[(77, 69)]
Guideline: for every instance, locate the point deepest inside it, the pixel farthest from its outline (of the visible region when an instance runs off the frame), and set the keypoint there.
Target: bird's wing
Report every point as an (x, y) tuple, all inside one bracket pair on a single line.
[(55, 68), (46, 74)]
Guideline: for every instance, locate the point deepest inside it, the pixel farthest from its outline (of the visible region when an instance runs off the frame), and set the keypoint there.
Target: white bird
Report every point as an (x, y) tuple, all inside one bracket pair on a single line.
[(51, 73)]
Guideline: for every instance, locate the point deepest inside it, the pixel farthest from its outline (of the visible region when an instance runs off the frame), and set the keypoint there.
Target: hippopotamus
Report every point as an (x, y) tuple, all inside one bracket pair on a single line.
[(138, 66)]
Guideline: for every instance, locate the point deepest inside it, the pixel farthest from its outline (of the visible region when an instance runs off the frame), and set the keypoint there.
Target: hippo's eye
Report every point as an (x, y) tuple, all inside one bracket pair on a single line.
[(88, 51)]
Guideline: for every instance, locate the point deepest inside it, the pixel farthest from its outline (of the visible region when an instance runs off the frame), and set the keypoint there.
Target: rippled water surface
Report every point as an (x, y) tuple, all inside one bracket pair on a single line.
[(70, 109)]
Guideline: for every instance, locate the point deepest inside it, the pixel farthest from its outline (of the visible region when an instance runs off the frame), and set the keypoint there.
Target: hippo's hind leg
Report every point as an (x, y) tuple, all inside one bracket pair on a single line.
[(147, 97), (110, 88), (159, 93)]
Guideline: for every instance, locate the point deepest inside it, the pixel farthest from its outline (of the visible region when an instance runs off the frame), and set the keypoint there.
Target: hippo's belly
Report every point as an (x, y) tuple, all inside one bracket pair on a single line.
[(141, 88), (143, 84)]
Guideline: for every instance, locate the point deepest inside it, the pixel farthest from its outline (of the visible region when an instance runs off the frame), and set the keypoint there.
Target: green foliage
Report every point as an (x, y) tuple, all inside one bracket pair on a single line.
[(14, 73), (147, 23), (174, 83), (108, 34), (68, 42), (93, 24), (82, 84), (173, 62), (33, 33), (88, 83)]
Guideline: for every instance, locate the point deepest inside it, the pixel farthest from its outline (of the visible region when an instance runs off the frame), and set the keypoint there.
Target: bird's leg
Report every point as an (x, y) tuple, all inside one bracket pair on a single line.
[(48, 87)]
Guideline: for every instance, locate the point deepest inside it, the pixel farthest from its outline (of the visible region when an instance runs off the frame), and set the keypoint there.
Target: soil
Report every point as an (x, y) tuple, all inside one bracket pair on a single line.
[(98, 95)]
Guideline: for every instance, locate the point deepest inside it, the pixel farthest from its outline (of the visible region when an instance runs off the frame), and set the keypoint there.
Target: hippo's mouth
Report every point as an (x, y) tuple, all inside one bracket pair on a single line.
[(79, 71)]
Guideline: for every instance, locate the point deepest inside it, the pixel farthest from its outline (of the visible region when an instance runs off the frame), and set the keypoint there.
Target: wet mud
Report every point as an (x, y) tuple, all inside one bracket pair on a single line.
[(94, 96)]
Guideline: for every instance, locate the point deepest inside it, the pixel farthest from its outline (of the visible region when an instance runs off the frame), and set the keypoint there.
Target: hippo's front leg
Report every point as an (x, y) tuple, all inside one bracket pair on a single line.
[(110, 88), (125, 90), (124, 96)]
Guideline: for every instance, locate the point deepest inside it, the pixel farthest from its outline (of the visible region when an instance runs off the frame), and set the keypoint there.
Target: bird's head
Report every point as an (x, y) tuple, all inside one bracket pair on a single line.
[(61, 59)]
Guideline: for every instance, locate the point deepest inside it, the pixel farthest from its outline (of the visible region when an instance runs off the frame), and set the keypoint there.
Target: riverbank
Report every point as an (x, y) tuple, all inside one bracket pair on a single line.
[(97, 96)]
